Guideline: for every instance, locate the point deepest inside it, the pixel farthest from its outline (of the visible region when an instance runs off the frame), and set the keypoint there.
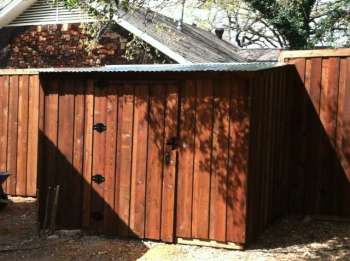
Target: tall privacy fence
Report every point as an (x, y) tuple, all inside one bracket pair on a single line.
[(180, 155), (321, 127)]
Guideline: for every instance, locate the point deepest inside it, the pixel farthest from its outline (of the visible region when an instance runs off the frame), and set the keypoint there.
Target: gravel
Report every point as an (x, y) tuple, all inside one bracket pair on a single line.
[(287, 239)]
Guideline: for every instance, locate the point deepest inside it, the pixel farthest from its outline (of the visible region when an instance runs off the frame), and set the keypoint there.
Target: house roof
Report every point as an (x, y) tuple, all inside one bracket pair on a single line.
[(191, 42), (260, 54), (188, 45)]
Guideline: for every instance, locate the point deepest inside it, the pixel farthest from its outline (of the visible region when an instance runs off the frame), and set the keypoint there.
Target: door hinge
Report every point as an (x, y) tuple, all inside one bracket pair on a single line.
[(98, 178), (98, 216), (100, 127)]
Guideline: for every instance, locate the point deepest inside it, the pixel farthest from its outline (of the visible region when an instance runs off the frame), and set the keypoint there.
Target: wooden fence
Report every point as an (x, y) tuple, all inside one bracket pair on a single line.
[(246, 145), (321, 153), (19, 117)]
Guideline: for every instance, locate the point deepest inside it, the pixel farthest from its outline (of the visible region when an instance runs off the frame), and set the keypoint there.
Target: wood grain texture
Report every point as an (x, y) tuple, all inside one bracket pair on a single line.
[(110, 174), (66, 176), (238, 160), (315, 82), (155, 162), (88, 147), (218, 190), (22, 142), (314, 53), (12, 135), (202, 160), (139, 163), (99, 158), (4, 113), (343, 116), (33, 134), (186, 160), (125, 129), (169, 166), (78, 149), (329, 95)]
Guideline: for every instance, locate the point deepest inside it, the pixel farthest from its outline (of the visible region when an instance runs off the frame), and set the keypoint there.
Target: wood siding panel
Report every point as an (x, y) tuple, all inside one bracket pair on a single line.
[(170, 163), (329, 95), (4, 113), (110, 224), (139, 167), (343, 116), (33, 134), (238, 163), (219, 168), (66, 176), (155, 162), (23, 99), (88, 155), (125, 129), (186, 160), (99, 158), (202, 160), (12, 135)]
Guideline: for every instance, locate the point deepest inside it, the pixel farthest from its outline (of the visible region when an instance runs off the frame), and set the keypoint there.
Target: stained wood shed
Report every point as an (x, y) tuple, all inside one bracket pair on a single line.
[(167, 152)]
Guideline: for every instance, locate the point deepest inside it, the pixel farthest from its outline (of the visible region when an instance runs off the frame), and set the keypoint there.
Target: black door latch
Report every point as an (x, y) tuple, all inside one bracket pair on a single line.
[(173, 143), (100, 127), (98, 178), (98, 216)]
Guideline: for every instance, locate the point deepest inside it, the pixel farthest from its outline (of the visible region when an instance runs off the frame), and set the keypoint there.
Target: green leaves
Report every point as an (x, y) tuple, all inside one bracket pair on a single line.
[(294, 24)]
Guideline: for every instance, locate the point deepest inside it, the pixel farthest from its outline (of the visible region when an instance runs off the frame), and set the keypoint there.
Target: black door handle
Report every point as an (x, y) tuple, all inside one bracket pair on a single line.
[(173, 142)]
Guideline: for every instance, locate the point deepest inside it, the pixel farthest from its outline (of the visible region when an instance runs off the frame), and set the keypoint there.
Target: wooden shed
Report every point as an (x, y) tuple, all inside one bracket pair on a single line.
[(170, 152)]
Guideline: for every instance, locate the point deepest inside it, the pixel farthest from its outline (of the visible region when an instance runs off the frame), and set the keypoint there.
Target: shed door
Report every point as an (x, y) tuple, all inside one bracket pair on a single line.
[(134, 158)]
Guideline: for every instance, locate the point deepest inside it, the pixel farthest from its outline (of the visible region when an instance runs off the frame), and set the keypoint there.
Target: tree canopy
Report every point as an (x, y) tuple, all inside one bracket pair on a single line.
[(294, 24)]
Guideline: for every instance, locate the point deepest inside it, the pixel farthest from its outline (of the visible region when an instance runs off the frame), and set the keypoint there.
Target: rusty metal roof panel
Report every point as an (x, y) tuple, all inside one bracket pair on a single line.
[(203, 67)]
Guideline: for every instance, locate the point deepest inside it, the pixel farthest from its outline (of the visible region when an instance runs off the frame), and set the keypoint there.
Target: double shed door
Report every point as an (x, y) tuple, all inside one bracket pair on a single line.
[(133, 159), (113, 148)]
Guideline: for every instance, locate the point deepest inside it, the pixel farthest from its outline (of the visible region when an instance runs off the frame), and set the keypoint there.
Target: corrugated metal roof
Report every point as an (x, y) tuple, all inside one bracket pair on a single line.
[(202, 67)]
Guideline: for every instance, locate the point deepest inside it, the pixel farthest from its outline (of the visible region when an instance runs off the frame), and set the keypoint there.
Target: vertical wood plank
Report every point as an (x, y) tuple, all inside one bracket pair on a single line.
[(139, 163), (219, 166), (12, 135), (155, 162), (67, 211), (202, 161), (315, 83), (308, 70), (343, 116), (329, 95), (238, 163), (23, 98), (33, 134), (41, 191), (88, 152), (4, 110), (269, 145), (111, 137), (99, 159), (169, 169), (125, 129), (299, 146), (78, 149), (50, 121), (186, 160)]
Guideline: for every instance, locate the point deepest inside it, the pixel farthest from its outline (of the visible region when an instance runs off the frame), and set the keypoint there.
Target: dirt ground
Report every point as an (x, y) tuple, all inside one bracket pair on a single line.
[(289, 239)]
